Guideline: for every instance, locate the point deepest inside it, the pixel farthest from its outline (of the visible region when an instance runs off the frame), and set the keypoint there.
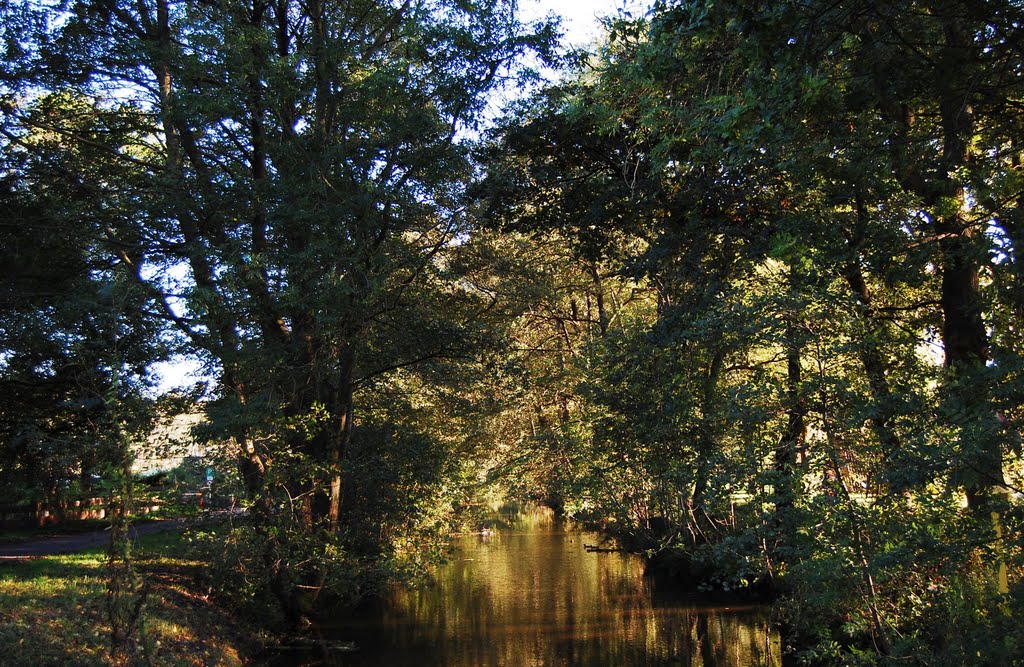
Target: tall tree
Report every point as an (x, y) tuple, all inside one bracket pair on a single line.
[(300, 172), (821, 195), (64, 299)]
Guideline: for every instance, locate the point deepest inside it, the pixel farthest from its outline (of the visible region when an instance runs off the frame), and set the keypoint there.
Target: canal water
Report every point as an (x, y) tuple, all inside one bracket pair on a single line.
[(530, 594)]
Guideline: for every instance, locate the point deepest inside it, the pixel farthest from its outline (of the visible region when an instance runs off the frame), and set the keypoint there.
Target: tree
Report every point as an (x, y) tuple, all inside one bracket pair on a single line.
[(814, 204), (64, 300), (299, 173)]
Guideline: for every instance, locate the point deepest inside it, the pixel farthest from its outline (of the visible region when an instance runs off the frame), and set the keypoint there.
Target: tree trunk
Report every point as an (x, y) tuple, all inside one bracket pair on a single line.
[(959, 259), (793, 435), (707, 440), (963, 328), (873, 362), (340, 440)]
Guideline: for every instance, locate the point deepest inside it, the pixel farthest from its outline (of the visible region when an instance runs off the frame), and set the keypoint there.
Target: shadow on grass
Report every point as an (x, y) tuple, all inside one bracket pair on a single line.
[(52, 567), (51, 644), (53, 609)]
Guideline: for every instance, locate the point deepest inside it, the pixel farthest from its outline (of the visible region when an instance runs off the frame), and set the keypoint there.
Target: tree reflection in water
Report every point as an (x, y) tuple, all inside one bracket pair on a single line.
[(531, 595)]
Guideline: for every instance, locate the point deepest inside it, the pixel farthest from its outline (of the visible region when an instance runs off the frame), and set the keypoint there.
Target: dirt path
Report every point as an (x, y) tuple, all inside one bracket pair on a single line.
[(66, 544)]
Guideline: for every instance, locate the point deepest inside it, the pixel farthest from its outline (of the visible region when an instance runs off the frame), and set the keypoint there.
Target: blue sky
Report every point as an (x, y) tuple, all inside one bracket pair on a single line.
[(579, 16)]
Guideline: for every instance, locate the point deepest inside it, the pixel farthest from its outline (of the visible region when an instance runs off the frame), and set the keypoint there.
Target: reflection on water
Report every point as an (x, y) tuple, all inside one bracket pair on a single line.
[(534, 596)]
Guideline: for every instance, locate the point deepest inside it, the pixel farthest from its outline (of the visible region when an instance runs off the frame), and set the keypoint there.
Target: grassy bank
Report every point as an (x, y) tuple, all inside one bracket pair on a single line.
[(52, 610)]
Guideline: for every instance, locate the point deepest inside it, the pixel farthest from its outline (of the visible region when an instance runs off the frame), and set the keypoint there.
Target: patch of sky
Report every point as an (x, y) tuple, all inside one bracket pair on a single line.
[(581, 27), (172, 279), (1002, 246), (178, 373)]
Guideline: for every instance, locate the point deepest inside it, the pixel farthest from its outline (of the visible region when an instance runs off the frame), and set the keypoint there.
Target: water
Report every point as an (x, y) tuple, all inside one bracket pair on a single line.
[(531, 595)]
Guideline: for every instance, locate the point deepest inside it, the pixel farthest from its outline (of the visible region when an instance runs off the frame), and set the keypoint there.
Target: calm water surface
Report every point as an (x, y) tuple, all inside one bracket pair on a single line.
[(531, 595)]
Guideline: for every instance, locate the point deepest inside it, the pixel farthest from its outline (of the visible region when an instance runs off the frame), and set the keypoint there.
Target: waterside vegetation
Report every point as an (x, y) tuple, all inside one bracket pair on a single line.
[(743, 288)]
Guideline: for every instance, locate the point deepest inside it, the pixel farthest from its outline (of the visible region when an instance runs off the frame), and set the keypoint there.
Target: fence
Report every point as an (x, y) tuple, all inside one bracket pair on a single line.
[(45, 514)]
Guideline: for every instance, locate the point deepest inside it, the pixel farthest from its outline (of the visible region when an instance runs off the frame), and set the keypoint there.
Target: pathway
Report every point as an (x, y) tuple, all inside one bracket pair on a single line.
[(66, 544)]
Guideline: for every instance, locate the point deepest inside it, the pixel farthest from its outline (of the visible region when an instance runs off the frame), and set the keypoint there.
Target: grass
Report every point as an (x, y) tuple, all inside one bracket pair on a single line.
[(52, 610)]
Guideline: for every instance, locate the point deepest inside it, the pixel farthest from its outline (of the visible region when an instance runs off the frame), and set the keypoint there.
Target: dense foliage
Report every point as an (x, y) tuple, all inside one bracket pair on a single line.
[(744, 288), (278, 187), (815, 384)]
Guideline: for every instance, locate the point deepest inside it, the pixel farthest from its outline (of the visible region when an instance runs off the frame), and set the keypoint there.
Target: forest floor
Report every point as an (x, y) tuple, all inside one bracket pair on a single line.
[(53, 604)]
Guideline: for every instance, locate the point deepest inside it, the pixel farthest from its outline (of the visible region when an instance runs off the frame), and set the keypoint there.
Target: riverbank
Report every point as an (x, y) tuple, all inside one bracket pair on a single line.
[(52, 609), (529, 591), (525, 587)]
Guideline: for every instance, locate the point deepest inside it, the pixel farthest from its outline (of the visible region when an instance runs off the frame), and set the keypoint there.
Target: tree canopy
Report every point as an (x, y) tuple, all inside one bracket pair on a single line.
[(743, 287)]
